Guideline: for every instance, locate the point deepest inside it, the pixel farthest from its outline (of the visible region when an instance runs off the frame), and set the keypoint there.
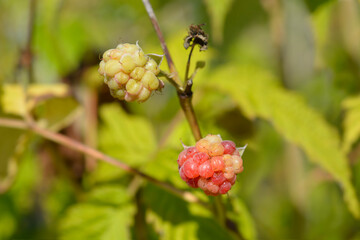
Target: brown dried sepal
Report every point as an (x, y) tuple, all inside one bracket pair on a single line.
[(196, 36)]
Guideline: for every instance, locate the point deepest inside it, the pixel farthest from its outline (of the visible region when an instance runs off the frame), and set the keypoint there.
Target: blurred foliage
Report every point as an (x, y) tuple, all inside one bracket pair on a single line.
[(281, 76)]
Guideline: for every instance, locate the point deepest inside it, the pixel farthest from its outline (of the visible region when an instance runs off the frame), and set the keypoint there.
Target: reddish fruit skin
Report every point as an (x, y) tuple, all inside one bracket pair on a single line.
[(193, 182), (211, 165), (182, 174), (233, 180), (225, 187), (218, 178), (185, 155), (200, 157), (217, 163), (205, 170), (229, 146), (191, 169)]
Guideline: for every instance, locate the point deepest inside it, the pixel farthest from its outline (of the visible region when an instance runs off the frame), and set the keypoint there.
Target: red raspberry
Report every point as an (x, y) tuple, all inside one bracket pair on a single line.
[(200, 157), (202, 182), (218, 178), (232, 180), (191, 169), (211, 165), (217, 163), (186, 154), (229, 146), (205, 170), (182, 174), (193, 182), (211, 187), (225, 187)]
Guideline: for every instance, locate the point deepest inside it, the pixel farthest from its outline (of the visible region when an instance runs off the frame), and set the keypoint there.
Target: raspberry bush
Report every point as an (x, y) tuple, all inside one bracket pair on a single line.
[(212, 165)]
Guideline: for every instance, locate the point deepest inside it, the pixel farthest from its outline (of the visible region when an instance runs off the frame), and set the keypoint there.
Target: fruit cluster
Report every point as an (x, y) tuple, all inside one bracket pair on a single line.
[(129, 73), (211, 165)]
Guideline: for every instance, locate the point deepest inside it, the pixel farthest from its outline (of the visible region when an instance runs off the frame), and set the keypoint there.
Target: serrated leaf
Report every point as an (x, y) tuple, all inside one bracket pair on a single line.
[(129, 138), (217, 11), (172, 219), (258, 95), (351, 122), (105, 219)]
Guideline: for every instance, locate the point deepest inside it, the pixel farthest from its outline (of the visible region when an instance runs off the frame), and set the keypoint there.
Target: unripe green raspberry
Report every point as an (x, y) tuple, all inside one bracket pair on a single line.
[(150, 81), (144, 94), (102, 68), (152, 66), (112, 67), (133, 87), (127, 63), (129, 73), (121, 77), (113, 84), (137, 73)]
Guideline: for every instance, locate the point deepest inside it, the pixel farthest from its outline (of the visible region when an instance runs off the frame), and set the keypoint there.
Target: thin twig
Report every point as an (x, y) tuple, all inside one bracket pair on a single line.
[(72, 144), (168, 77), (188, 62), (26, 55), (155, 23)]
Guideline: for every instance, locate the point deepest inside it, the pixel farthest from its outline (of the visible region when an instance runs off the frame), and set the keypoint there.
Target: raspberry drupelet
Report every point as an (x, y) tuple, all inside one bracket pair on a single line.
[(211, 165)]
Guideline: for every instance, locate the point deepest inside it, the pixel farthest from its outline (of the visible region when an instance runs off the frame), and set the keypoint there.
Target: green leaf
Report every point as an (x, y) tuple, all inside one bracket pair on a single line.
[(165, 166), (242, 217), (12, 99), (100, 217), (217, 11), (351, 122), (258, 95), (174, 218), (56, 113), (129, 138)]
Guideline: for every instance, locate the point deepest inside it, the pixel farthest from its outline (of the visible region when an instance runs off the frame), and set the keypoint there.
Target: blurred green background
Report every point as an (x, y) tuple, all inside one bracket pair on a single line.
[(281, 76)]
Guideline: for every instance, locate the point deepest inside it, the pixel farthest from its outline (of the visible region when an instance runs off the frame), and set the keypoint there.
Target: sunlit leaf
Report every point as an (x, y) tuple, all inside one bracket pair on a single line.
[(100, 217), (129, 138), (12, 99), (172, 218), (217, 11), (351, 122), (258, 95)]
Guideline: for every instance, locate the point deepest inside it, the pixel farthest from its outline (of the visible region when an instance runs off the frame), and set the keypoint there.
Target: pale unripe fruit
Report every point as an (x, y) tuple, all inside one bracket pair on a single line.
[(152, 66), (129, 73), (137, 73), (133, 87), (112, 67)]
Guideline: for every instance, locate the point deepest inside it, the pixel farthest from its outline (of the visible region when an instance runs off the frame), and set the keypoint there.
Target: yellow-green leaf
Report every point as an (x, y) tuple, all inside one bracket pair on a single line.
[(351, 122), (129, 138), (258, 95), (12, 99), (217, 11), (100, 217)]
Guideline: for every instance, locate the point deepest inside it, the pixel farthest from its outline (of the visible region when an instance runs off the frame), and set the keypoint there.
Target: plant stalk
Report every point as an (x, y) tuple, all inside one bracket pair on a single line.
[(77, 146)]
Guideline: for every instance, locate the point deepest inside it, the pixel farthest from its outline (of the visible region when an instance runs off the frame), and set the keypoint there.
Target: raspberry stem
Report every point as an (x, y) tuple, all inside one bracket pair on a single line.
[(156, 26), (78, 146), (188, 63)]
